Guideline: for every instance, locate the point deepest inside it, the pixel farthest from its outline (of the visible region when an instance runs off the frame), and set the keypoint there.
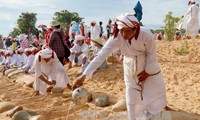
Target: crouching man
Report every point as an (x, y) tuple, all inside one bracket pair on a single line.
[(49, 72)]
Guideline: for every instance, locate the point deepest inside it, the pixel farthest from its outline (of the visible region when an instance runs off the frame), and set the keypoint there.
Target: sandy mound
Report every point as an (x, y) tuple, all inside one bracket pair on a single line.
[(180, 66)]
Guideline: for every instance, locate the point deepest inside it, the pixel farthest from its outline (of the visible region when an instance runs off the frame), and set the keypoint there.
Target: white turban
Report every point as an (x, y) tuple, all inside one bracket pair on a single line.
[(126, 20), (23, 36), (20, 50), (46, 53), (79, 37), (33, 48), (9, 52), (27, 50)]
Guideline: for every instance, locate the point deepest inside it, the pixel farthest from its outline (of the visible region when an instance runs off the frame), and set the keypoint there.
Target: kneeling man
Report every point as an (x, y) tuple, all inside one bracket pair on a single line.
[(49, 72)]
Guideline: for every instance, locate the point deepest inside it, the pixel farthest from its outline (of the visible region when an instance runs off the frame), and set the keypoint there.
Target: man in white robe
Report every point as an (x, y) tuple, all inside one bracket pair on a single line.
[(193, 20), (3, 54), (21, 57), (145, 87), (95, 31), (48, 71), (30, 58), (13, 58)]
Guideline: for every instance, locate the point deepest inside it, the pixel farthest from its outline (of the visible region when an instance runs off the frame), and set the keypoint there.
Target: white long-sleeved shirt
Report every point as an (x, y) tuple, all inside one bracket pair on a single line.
[(95, 32), (193, 11), (77, 49), (14, 60), (144, 45), (140, 55)]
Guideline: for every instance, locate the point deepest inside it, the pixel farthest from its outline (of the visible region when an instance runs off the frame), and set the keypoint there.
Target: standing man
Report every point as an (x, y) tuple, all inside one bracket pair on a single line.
[(101, 28), (145, 87), (56, 39), (193, 21), (108, 28), (95, 32)]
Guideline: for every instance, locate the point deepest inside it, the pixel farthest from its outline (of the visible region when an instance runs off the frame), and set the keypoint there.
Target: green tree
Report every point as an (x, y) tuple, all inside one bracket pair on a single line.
[(26, 22), (169, 28), (1, 36), (65, 17), (15, 32)]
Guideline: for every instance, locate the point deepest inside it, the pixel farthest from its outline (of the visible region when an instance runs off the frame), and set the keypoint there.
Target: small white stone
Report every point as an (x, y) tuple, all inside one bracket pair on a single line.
[(102, 101), (79, 96), (120, 105)]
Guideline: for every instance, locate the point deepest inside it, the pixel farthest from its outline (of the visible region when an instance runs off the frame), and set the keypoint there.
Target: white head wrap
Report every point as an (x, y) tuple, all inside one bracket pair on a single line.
[(33, 48), (27, 50), (79, 37), (46, 53), (9, 52), (23, 36), (124, 20), (20, 50)]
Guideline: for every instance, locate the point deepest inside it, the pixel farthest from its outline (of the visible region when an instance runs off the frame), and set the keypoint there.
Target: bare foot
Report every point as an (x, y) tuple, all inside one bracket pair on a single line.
[(69, 86), (49, 89)]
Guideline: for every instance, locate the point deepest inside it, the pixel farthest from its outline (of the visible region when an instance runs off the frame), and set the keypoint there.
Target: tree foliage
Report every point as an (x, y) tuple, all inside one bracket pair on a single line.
[(1, 36), (65, 17), (25, 23), (169, 28), (15, 32)]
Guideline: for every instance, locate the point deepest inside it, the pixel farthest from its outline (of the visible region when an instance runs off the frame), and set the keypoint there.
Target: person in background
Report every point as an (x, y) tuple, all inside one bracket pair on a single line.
[(56, 40), (94, 32), (193, 20), (101, 28), (79, 52), (29, 59), (21, 57), (108, 28)]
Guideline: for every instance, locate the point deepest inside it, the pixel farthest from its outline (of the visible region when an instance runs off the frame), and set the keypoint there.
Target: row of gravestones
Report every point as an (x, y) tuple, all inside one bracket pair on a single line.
[(101, 101), (8, 109)]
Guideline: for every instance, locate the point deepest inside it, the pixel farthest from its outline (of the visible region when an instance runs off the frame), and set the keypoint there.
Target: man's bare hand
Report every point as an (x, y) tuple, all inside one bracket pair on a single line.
[(142, 76), (79, 82), (53, 82)]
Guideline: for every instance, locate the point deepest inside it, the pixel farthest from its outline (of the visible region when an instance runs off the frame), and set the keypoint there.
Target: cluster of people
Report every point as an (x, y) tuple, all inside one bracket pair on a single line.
[(45, 55)]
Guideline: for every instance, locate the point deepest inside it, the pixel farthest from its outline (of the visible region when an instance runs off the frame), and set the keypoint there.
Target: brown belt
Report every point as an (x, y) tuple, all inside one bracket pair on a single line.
[(155, 73)]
